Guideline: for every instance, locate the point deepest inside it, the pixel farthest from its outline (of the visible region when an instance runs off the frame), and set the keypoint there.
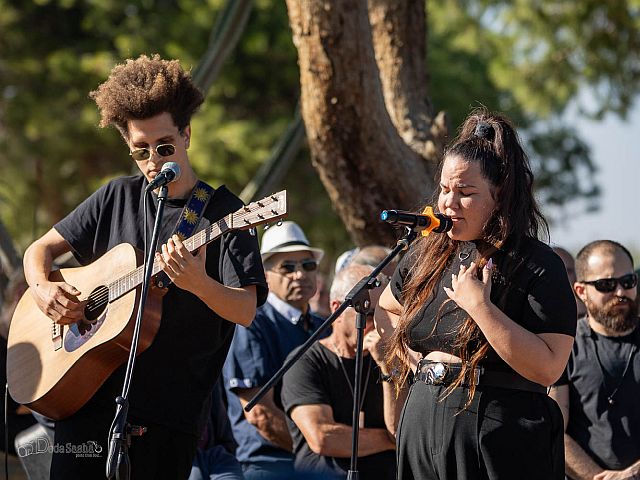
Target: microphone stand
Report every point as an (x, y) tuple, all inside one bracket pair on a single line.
[(358, 298), (118, 454)]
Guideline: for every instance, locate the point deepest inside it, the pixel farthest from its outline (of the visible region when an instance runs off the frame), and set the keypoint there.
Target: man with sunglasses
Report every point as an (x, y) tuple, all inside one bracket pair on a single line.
[(282, 324), (150, 101), (598, 393)]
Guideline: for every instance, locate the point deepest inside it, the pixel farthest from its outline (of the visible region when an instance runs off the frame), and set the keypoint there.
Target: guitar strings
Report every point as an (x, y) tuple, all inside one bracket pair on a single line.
[(99, 298)]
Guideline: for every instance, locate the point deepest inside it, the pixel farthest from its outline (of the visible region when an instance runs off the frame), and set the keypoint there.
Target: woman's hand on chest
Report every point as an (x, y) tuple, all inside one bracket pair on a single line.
[(468, 290)]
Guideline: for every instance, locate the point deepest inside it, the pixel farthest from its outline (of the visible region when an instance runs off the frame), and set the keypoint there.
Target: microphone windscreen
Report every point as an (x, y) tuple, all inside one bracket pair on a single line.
[(174, 167)]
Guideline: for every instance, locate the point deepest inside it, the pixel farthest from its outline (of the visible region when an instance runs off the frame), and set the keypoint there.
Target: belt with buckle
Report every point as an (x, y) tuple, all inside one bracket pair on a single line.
[(440, 373)]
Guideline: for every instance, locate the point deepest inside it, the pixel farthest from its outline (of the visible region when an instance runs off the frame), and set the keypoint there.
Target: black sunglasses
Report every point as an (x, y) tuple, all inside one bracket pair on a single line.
[(164, 150), (289, 266), (608, 285)]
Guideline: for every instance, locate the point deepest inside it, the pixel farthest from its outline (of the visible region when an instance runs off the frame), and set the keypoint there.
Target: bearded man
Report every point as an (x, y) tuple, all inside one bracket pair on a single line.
[(599, 390)]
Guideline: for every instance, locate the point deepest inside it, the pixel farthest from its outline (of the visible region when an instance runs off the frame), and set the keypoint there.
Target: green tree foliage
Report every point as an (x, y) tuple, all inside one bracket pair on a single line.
[(530, 59), (55, 52), (534, 56), (525, 58)]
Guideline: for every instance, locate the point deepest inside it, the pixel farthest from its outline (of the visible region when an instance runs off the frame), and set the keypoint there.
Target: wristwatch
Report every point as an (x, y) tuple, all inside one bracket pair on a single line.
[(386, 377)]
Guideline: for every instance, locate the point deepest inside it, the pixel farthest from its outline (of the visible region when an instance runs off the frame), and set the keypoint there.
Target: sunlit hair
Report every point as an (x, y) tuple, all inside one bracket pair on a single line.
[(346, 279), (143, 88), (491, 141), (608, 247)]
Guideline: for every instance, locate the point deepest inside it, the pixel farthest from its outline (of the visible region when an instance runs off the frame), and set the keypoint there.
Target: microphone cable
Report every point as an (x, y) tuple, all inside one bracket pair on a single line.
[(6, 430)]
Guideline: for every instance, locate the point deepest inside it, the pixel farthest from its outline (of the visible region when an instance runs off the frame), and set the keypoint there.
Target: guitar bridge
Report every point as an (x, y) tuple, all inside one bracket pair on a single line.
[(56, 336)]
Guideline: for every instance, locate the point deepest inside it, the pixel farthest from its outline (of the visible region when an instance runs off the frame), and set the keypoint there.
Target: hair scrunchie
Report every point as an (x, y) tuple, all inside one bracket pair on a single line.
[(484, 130)]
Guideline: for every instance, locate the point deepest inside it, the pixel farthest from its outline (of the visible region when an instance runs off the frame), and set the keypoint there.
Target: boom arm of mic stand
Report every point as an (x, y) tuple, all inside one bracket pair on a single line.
[(402, 244)]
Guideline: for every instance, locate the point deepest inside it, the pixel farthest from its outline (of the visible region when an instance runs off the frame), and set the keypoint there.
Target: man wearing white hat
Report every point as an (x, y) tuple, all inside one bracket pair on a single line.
[(282, 324)]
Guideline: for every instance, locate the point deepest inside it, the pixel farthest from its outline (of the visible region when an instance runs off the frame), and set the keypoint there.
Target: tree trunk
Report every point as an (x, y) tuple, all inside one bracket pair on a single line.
[(399, 41), (362, 160)]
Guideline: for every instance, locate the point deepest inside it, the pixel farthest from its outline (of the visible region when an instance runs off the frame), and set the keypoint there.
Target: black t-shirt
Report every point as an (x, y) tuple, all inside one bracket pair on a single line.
[(318, 378), (531, 287), (175, 375), (608, 432)]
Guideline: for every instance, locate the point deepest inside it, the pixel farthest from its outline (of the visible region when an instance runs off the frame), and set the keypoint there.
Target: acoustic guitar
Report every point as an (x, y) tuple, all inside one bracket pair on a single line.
[(55, 369)]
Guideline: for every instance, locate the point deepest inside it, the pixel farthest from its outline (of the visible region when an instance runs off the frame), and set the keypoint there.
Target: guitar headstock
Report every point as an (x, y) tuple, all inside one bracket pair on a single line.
[(269, 209)]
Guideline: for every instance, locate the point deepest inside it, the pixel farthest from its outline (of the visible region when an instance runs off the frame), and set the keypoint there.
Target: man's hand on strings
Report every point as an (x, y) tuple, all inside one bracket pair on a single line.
[(184, 269), (59, 301)]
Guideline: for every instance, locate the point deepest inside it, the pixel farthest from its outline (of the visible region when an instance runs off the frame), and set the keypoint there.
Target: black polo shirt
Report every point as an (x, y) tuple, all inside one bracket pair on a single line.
[(609, 432)]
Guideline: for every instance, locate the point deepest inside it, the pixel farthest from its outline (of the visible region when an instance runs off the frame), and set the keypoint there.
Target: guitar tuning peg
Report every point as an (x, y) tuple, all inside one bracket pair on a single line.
[(252, 231), (267, 226)]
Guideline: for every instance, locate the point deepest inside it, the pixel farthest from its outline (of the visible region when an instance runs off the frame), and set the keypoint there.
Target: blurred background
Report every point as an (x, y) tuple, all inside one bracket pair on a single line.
[(565, 72)]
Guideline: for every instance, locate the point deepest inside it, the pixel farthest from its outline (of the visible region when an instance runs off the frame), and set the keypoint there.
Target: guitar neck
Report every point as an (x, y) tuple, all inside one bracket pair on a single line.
[(269, 209), (131, 280)]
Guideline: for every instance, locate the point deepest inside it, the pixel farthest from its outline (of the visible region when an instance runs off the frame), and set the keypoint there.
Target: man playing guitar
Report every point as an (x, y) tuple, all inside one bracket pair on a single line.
[(150, 101)]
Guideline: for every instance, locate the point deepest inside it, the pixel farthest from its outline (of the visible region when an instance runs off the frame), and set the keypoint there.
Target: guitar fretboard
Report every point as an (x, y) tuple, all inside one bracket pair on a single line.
[(131, 280), (268, 209)]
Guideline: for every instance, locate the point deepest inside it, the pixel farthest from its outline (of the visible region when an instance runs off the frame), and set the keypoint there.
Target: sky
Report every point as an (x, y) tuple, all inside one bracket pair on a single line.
[(614, 147)]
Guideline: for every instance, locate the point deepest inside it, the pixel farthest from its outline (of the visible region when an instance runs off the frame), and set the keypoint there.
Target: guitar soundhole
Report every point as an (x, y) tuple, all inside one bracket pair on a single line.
[(96, 304), (79, 333)]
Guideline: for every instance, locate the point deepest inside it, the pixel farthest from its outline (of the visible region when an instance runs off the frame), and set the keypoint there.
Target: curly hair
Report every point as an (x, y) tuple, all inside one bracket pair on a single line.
[(491, 141), (143, 88)]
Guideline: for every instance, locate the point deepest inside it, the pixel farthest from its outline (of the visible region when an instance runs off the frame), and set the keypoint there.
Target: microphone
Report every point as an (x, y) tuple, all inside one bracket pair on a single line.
[(170, 172), (427, 221)]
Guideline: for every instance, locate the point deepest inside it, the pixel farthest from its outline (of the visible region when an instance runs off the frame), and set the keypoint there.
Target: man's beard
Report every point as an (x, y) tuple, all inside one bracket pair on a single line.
[(615, 320)]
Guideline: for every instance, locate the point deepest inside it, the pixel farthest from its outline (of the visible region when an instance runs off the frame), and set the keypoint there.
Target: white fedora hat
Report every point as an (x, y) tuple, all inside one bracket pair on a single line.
[(287, 237)]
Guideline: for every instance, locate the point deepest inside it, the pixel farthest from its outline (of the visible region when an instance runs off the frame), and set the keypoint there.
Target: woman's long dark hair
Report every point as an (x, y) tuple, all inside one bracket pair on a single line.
[(490, 140)]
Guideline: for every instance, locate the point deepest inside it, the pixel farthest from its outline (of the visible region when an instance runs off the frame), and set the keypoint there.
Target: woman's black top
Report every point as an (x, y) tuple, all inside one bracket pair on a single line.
[(530, 286)]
